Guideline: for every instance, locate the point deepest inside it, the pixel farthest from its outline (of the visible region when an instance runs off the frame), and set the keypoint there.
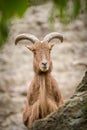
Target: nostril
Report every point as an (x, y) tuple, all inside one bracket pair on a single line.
[(44, 63)]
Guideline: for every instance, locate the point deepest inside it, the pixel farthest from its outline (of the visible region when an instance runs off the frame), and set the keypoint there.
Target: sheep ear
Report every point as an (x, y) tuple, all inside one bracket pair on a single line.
[(51, 45), (31, 47)]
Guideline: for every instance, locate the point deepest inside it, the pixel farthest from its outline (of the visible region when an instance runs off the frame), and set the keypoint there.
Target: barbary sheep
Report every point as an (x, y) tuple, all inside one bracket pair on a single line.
[(43, 96)]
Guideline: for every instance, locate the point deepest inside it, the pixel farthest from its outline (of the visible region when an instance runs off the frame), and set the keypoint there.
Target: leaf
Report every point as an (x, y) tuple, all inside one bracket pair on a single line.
[(12, 7), (8, 9), (76, 7)]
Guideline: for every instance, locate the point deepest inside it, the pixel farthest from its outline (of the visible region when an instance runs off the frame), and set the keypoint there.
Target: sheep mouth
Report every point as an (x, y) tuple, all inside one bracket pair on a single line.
[(44, 68)]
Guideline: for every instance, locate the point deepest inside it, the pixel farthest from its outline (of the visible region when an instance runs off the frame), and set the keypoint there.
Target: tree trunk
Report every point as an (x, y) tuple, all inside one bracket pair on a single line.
[(71, 116)]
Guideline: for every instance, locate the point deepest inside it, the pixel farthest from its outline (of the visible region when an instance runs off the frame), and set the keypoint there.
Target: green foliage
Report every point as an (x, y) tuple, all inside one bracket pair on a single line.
[(76, 7), (37, 2), (66, 10), (8, 9), (3, 32)]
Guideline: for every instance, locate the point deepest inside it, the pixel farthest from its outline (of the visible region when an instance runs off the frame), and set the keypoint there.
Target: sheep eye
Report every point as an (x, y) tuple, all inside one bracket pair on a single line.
[(50, 49), (34, 51)]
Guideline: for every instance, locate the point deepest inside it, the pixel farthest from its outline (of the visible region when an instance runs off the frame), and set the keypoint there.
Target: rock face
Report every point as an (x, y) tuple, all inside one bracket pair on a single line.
[(69, 63), (71, 116)]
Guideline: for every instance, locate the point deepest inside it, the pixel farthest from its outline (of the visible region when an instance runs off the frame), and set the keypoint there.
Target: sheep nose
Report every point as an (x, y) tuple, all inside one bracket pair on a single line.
[(44, 63)]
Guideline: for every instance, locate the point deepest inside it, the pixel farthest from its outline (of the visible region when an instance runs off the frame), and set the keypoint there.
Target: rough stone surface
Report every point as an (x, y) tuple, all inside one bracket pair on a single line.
[(16, 71), (71, 116)]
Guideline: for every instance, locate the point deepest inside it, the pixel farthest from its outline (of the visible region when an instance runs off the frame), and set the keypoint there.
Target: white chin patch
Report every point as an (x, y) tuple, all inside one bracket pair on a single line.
[(44, 69)]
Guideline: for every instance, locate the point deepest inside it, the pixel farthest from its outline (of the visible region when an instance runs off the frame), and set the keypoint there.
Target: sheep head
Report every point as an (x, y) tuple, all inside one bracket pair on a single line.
[(41, 50)]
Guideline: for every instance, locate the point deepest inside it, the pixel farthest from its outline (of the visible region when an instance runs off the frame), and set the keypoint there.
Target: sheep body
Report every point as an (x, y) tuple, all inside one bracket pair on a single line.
[(43, 96)]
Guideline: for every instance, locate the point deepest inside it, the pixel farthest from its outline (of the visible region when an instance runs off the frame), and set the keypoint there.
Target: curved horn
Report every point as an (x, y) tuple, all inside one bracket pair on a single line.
[(53, 35), (30, 37)]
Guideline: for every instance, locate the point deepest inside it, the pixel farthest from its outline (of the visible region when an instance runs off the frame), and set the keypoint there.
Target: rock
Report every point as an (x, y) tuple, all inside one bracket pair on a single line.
[(71, 116)]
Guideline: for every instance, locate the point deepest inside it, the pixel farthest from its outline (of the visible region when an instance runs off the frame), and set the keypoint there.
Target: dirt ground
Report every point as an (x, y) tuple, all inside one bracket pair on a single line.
[(16, 71)]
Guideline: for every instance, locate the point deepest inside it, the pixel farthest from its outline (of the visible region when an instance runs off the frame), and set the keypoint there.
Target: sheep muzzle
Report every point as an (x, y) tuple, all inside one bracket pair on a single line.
[(44, 66)]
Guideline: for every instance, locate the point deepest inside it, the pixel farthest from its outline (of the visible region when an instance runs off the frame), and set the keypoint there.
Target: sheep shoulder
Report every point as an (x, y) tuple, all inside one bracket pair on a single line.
[(54, 91)]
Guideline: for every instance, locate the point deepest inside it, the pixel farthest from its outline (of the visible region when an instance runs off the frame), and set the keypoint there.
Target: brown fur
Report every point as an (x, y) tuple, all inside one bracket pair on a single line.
[(44, 95)]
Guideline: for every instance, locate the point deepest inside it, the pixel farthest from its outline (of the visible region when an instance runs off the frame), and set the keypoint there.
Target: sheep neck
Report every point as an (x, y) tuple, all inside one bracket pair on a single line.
[(43, 83)]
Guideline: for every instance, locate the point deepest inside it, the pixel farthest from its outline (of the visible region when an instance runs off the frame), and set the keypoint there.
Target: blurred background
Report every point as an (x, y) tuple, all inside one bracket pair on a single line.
[(39, 17)]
